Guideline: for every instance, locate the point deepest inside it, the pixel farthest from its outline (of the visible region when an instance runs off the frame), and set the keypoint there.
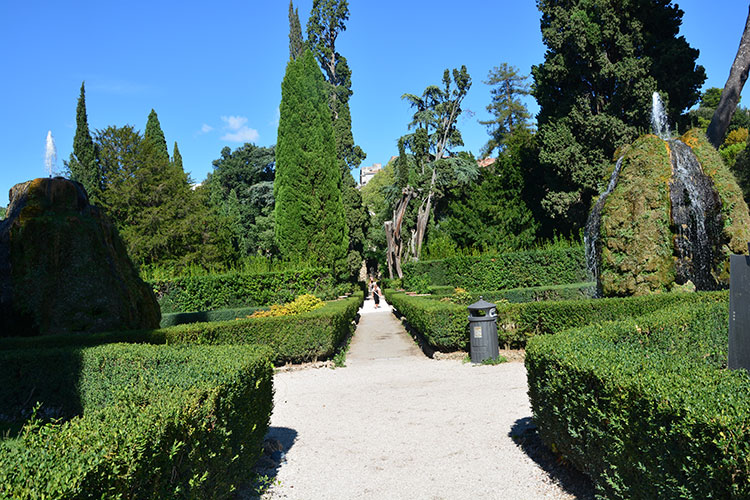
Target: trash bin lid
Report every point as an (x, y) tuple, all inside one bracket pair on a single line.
[(481, 305)]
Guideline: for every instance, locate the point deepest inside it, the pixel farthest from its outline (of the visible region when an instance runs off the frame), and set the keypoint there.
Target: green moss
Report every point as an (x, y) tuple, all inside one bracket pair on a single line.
[(637, 247)]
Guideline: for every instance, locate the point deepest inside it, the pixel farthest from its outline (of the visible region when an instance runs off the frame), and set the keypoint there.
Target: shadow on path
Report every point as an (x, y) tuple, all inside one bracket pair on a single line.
[(524, 434), (276, 445)]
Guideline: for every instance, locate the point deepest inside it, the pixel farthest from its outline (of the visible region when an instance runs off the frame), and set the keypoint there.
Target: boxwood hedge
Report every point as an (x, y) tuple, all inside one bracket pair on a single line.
[(141, 421), (444, 325), (497, 272), (241, 289), (646, 406), (303, 337), (174, 319)]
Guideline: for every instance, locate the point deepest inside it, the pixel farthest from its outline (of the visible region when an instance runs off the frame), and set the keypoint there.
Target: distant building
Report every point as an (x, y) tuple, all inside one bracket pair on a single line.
[(486, 162), (367, 173)]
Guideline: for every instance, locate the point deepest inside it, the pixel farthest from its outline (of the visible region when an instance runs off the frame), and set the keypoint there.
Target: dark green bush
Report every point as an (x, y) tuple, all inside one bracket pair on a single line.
[(572, 291), (238, 289), (174, 319), (497, 272), (444, 324), (141, 421), (304, 337), (645, 406)]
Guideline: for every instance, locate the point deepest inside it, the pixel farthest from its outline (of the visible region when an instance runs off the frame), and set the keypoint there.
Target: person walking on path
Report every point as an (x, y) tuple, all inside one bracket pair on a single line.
[(376, 294)]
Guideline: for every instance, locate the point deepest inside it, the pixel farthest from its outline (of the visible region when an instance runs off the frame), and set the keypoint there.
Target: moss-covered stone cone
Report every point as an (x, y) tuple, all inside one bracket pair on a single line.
[(64, 268), (636, 235)]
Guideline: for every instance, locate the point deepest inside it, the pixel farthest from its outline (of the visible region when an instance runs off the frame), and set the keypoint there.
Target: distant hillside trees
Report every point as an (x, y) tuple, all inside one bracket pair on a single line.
[(309, 214), (604, 59)]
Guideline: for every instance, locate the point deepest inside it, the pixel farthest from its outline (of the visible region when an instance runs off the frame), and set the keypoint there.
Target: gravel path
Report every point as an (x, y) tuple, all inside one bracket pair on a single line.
[(395, 424)]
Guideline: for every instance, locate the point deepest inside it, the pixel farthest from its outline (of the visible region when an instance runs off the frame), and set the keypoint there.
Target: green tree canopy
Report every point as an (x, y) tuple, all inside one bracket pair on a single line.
[(83, 164), (309, 214), (296, 43), (154, 136), (508, 111), (604, 59)]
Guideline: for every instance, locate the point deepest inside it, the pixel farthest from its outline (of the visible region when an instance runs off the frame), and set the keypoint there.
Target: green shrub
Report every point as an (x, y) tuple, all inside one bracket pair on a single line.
[(141, 421), (555, 266), (297, 338), (302, 304), (444, 324), (645, 406), (174, 319), (238, 289), (304, 337)]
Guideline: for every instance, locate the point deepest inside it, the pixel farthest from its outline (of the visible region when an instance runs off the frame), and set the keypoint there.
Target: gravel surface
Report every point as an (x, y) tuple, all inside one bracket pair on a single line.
[(395, 424)]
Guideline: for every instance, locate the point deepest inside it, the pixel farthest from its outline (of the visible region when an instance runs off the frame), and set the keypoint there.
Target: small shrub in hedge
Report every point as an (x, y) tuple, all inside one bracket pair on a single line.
[(497, 272), (445, 324), (645, 406), (238, 289), (142, 421), (302, 304)]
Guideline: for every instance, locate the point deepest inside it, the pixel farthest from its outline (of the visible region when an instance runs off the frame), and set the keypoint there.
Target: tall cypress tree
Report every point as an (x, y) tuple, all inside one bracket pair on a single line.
[(177, 157), (296, 43), (309, 213), (83, 164), (154, 137)]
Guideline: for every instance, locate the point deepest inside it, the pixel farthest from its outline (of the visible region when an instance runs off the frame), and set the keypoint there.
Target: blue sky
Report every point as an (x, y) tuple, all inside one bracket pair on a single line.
[(213, 70)]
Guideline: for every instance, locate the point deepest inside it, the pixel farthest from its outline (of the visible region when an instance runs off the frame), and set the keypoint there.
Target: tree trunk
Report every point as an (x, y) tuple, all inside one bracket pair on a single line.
[(391, 246), (393, 232), (717, 129), (423, 216)]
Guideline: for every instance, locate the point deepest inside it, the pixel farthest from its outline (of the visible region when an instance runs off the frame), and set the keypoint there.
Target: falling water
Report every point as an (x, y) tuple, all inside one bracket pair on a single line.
[(696, 215), (659, 122), (50, 155), (591, 232)]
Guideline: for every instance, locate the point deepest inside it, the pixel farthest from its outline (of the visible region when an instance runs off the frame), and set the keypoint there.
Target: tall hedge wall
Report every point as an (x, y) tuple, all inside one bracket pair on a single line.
[(240, 289), (509, 270), (445, 325), (304, 337), (646, 406), (142, 421)]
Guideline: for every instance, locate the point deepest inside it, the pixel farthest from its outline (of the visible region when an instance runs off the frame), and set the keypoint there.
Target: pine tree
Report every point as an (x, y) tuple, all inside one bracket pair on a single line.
[(296, 43), (177, 157), (154, 137), (83, 164), (309, 214)]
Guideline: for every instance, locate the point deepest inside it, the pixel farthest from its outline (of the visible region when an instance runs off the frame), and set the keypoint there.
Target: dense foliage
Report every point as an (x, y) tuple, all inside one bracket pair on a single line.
[(309, 214), (604, 60), (645, 406), (499, 271), (142, 421), (240, 289)]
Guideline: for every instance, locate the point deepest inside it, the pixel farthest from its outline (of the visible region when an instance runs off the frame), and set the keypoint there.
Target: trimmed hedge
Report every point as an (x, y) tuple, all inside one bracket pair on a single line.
[(574, 291), (174, 319), (645, 406), (445, 325), (143, 421), (238, 289), (497, 272), (303, 337), (298, 338)]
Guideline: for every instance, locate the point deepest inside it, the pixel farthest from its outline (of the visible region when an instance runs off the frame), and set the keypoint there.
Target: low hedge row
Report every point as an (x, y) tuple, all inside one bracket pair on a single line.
[(142, 421), (497, 272), (444, 325), (646, 406), (239, 289), (174, 319), (298, 338), (573, 291)]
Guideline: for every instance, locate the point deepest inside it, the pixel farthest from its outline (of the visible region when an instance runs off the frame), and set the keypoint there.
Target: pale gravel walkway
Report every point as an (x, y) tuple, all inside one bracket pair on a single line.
[(394, 424)]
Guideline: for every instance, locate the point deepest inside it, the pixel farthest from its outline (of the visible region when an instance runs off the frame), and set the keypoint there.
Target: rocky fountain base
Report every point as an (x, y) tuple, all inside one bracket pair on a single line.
[(64, 268), (674, 216)]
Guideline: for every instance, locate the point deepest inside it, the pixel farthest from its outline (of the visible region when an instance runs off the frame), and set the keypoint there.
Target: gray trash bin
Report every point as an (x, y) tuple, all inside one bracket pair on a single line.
[(483, 331)]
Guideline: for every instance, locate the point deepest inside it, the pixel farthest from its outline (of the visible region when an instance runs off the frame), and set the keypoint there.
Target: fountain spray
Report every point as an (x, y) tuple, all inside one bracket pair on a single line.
[(50, 155)]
